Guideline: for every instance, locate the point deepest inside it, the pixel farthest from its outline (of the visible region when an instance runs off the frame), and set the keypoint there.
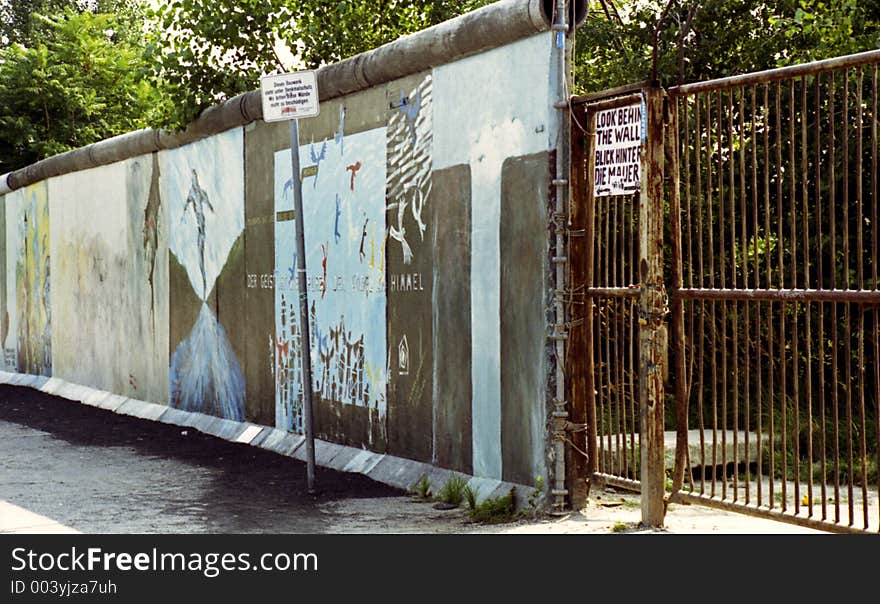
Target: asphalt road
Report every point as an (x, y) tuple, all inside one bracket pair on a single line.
[(99, 472)]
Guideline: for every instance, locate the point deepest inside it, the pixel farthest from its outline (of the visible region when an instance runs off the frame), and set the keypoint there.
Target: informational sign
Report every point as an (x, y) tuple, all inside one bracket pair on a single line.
[(618, 150), (289, 96)]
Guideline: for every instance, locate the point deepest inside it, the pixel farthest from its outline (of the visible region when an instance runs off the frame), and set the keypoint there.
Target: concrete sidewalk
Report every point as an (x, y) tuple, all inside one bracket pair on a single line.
[(14, 519)]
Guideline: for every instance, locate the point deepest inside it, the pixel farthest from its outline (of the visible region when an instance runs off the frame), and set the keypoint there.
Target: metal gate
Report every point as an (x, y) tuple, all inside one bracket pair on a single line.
[(754, 238)]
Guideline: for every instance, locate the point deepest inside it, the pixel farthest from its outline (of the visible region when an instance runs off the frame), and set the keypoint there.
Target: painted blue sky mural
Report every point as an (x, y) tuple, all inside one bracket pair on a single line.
[(344, 212)]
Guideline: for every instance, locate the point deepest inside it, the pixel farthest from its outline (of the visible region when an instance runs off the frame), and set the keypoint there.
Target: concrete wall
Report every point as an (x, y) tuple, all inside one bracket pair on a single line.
[(425, 213)]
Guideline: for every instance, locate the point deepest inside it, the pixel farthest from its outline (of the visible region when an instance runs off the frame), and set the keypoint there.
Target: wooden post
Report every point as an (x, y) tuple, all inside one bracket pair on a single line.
[(652, 312)]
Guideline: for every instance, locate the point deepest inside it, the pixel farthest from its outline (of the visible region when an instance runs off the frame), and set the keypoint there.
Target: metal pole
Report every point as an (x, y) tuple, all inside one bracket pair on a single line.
[(560, 412), (305, 348)]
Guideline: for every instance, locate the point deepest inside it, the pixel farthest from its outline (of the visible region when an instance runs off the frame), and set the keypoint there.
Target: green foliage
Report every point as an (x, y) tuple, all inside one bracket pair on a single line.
[(537, 494), (422, 488), (814, 433), (495, 510), (453, 491), (83, 81), (716, 38), (204, 52), (19, 19), (470, 496)]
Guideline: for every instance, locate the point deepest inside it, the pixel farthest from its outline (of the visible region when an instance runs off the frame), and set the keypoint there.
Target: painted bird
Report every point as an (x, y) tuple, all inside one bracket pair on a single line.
[(336, 233), (410, 110), (317, 158), (363, 239)]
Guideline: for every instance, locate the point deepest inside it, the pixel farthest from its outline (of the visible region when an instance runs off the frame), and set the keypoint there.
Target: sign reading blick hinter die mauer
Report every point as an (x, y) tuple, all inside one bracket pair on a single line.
[(289, 96), (618, 149)]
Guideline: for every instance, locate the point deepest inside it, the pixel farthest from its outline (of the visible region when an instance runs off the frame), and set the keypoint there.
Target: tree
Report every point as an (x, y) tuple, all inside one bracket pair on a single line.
[(704, 39), (205, 51), (81, 80), (17, 16)]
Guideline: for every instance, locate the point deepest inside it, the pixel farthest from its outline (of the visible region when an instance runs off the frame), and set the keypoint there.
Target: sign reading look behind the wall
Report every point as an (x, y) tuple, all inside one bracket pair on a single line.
[(618, 145), (289, 96)]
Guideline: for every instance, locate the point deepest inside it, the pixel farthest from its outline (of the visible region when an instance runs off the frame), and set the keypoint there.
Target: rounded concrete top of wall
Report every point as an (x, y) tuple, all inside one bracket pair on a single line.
[(491, 26)]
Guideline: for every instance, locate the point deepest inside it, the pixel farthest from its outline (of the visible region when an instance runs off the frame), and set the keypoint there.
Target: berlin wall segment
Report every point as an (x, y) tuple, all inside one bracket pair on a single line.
[(427, 245)]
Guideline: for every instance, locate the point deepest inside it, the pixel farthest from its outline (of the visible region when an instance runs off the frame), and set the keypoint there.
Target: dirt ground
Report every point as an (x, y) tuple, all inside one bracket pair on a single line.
[(607, 512)]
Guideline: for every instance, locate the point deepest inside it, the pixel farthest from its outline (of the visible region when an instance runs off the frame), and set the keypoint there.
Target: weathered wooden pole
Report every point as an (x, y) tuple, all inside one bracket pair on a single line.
[(652, 312)]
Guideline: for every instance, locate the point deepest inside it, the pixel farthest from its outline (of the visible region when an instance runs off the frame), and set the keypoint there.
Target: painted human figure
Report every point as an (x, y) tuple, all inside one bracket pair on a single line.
[(198, 197)]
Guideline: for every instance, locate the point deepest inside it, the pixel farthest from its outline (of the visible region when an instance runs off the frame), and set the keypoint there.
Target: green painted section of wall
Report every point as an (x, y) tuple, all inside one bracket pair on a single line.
[(228, 298), (261, 141), (185, 304), (525, 183), (451, 244)]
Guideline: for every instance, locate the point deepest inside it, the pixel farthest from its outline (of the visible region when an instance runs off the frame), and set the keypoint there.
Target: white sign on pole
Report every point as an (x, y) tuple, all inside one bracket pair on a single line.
[(618, 151), (289, 96)]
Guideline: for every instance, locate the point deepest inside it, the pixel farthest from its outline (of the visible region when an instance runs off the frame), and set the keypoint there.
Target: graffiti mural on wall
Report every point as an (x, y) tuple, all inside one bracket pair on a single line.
[(28, 342), (410, 137), (345, 233), (410, 262), (203, 185)]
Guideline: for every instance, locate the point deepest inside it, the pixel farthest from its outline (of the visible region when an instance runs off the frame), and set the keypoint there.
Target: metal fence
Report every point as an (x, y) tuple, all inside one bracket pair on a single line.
[(770, 261)]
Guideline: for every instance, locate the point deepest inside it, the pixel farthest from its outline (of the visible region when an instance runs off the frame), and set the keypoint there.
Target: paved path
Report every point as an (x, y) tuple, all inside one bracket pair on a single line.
[(67, 467), (94, 471), (14, 519)]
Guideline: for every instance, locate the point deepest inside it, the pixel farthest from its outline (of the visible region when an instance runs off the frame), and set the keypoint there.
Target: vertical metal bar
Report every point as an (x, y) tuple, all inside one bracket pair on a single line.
[(724, 310), (770, 360), (757, 355), (621, 342), (607, 306), (590, 306), (808, 401), (579, 386), (795, 353), (735, 305), (690, 264), (677, 305), (604, 335), (614, 341), (782, 346), (632, 311), (874, 258), (747, 324), (820, 276), (860, 254), (701, 281), (651, 309), (714, 328), (306, 355), (832, 182), (846, 285)]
